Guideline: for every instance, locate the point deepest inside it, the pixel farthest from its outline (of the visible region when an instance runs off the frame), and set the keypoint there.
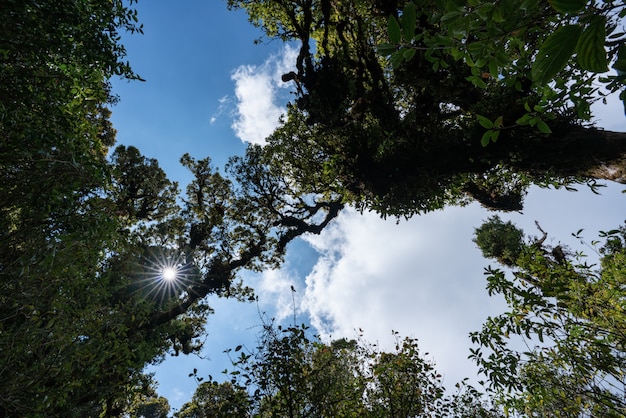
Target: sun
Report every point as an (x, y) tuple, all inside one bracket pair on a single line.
[(164, 275), (169, 273)]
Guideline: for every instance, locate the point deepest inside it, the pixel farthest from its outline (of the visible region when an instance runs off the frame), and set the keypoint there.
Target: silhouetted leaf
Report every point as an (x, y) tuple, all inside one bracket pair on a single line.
[(567, 6), (590, 48), (393, 30), (555, 52)]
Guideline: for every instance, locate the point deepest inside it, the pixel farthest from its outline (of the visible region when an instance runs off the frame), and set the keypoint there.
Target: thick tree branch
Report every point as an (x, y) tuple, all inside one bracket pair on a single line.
[(220, 273), (587, 152), (300, 227)]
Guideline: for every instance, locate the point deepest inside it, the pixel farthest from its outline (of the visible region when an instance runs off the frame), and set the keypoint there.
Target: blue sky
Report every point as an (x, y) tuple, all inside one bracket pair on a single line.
[(209, 89)]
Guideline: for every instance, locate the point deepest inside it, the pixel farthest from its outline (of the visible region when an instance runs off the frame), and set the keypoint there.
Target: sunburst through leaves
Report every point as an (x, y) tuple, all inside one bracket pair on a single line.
[(164, 276)]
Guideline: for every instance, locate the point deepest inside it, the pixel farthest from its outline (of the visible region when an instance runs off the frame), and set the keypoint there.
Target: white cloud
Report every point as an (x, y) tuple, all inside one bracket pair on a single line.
[(285, 63), (274, 288), (225, 103), (256, 92), (179, 395), (424, 277), (421, 277)]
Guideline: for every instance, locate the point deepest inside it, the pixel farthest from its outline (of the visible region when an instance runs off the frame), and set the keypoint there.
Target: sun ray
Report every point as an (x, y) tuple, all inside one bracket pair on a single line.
[(163, 276)]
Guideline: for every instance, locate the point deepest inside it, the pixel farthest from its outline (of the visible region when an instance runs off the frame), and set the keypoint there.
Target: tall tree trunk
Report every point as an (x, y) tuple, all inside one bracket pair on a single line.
[(586, 152)]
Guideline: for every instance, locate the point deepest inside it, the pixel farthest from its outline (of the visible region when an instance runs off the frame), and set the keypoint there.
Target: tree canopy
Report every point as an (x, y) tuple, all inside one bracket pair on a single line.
[(56, 59), (459, 110), (84, 304), (570, 316), (401, 107), (290, 374)]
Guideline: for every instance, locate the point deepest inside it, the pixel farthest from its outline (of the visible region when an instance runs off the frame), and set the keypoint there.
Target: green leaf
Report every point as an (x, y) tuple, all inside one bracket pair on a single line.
[(567, 6), (501, 56), (493, 68), (543, 127), (484, 122), (620, 65), (484, 141), (409, 21), (408, 54), (529, 5), (396, 59), (451, 16), (555, 52), (477, 81), (590, 48), (393, 30), (485, 10), (457, 54), (386, 49), (498, 17), (524, 120)]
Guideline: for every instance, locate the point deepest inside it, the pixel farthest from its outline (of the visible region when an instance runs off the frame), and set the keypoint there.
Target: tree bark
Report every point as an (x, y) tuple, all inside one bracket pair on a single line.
[(587, 152)]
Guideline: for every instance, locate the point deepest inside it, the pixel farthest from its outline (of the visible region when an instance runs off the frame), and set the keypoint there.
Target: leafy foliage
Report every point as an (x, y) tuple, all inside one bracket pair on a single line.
[(570, 316), (211, 399), (55, 226), (148, 404), (559, 41), (84, 238), (291, 375), (499, 240), (411, 106)]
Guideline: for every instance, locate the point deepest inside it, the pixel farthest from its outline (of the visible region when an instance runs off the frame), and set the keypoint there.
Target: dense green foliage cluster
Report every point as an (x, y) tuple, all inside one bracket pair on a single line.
[(292, 375), (56, 59), (401, 107), (499, 240), (408, 133), (84, 238), (571, 318)]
